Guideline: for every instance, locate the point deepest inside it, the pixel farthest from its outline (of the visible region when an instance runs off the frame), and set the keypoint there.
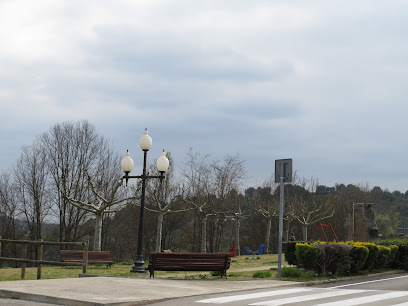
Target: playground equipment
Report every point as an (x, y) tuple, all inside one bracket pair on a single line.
[(232, 251), (254, 253), (323, 227)]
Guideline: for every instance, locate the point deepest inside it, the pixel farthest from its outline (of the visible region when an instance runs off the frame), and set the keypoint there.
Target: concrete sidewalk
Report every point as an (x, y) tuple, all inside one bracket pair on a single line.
[(122, 290)]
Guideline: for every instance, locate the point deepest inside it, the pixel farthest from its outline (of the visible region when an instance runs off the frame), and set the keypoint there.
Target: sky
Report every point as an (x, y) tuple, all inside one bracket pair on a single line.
[(321, 82)]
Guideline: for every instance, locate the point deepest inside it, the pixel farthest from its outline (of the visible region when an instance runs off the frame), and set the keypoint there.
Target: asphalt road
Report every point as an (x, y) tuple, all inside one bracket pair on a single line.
[(397, 282), (390, 290)]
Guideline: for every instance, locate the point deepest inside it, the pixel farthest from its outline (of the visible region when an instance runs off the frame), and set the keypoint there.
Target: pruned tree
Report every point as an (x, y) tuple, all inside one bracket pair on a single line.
[(103, 204), (227, 175), (209, 184), (163, 197), (236, 214), (267, 203), (311, 207)]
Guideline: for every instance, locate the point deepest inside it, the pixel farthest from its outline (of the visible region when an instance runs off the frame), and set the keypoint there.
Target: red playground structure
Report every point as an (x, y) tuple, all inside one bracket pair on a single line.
[(323, 227)]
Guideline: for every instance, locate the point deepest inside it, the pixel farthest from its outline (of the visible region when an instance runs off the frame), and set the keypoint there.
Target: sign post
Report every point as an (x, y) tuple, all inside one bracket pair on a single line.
[(283, 174)]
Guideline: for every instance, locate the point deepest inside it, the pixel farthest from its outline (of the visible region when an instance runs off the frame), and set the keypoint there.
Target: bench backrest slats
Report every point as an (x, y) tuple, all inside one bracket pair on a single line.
[(189, 261), (72, 255)]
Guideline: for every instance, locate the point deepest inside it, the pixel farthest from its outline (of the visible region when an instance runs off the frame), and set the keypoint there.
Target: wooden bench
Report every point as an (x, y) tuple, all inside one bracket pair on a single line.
[(94, 257), (161, 261)]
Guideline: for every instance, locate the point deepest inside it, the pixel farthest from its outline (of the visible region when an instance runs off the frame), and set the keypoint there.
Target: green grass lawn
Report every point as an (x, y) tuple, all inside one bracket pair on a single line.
[(123, 269), (242, 267)]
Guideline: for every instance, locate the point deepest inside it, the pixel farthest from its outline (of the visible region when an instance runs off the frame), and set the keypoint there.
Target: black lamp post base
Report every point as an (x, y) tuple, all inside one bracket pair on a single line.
[(139, 266)]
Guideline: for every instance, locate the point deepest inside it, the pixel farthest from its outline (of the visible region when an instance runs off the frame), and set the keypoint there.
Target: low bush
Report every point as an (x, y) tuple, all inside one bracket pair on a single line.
[(334, 258), (373, 252), (289, 248), (359, 254), (349, 257), (403, 257), (398, 255), (262, 274), (383, 257), (290, 272), (307, 256), (393, 255)]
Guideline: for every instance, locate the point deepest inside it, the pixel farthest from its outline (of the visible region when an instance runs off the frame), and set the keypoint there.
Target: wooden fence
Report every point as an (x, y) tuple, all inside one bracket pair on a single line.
[(39, 260)]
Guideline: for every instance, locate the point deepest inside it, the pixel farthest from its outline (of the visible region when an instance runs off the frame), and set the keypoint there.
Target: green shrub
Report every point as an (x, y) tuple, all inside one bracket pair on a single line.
[(383, 257), (262, 274), (373, 252), (334, 258), (290, 272), (307, 256), (342, 259), (403, 257), (393, 255), (289, 248), (359, 254), (397, 257)]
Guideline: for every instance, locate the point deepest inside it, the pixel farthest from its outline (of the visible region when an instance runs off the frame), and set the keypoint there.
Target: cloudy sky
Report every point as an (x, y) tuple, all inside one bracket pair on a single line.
[(321, 82)]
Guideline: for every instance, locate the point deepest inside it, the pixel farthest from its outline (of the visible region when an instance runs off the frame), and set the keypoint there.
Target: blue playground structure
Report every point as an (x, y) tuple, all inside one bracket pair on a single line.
[(254, 253)]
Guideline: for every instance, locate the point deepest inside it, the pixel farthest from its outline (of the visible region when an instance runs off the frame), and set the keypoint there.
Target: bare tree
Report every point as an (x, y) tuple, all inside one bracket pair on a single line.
[(8, 206), (31, 176), (102, 205), (267, 204), (209, 185), (312, 209), (72, 149), (197, 174), (163, 197), (226, 176), (236, 214)]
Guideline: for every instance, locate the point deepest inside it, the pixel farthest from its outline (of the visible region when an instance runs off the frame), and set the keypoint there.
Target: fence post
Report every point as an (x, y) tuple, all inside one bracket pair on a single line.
[(40, 257), (1, 262), (85, 258), (23, 265)]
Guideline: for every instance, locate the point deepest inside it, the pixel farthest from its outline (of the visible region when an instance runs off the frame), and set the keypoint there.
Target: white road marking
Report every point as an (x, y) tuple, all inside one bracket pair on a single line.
[(367, 282), (369, 299), (310, 297), (241, 297)]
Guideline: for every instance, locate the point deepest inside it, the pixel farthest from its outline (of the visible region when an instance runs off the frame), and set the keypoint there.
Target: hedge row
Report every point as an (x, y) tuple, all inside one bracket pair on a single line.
[(346, 257)]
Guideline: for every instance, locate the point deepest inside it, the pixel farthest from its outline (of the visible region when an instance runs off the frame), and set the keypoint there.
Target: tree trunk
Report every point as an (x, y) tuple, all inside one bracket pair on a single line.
[(268, 235), (160, 217), (204, 235), (304, 226), (238, 248), (98, 231), (287, 231)]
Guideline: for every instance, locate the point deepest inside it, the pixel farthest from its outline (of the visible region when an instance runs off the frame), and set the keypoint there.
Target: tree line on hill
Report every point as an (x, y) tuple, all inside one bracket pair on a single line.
[(67, 186)]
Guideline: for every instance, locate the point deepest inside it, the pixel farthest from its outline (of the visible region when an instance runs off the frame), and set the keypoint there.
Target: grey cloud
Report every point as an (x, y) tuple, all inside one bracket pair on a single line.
[(126, 50)]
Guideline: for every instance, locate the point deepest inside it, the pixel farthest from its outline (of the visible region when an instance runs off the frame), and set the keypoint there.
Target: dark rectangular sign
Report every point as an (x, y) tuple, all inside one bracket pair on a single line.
[(283, 168)]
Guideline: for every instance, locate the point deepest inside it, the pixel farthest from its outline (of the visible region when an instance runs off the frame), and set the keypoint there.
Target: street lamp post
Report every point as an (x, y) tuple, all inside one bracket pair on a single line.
[(162, 165)]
